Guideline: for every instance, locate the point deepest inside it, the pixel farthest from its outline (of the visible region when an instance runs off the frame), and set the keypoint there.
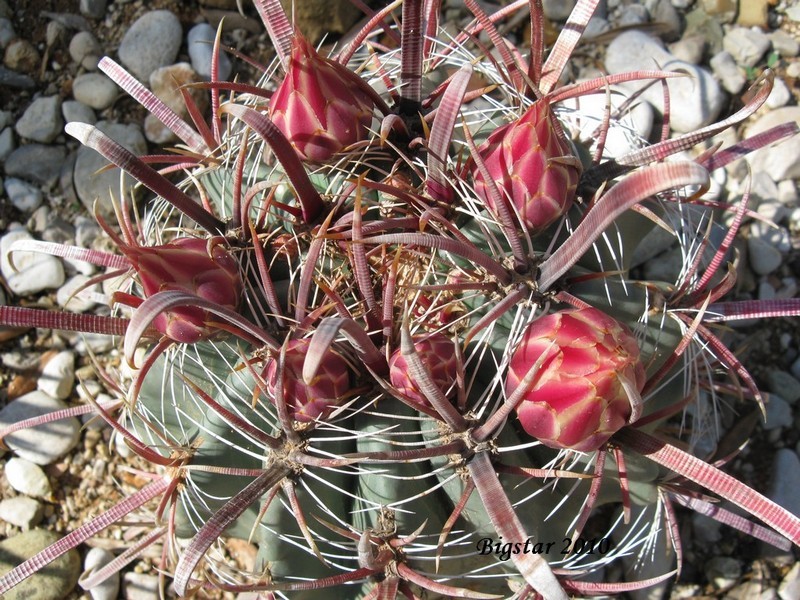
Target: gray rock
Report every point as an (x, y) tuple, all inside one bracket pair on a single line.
[(746, 45), (86, 231), (200, 42), (664, 13), (779, 413), (784, 44), (695, 100), (7, 33), (91, 185), (14, 80), (786, 480), (30, 272), (95, 9), (58, 376), (723, 572), (778, 237), (24, 196), (43, 444), (78, 112), (764, 257), (95, 90), (690, 48), (56, 580), (41, 121), (28, 478), (36, 162), (558, 10), (21, 511), (85, 50), (151, 42), (95, 559), (635, 14), (725, 68), (785, 384), (7, 143)]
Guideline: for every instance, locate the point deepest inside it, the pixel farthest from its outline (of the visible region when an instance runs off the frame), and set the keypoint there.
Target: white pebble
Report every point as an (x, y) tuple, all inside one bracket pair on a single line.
[(81, 301), (30, 272), (725, 68), (95, 90), (780, 94), (21, 511), (95, 559), (58, 376), (782, 160), (696, 100), (28, 478)]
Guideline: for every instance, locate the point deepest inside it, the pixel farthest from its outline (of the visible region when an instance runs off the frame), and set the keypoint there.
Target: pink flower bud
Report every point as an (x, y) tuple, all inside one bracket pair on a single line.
[(309, 401), (198, 266), (437, 354), (578, 398), (320, 106), (531, 166)]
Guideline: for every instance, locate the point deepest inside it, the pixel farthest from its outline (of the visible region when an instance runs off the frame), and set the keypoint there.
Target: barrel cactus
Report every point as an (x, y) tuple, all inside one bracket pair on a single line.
[(386, 327)]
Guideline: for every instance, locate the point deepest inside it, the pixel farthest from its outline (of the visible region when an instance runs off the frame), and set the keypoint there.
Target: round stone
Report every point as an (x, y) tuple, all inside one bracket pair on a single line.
[(56, 580), (151, 42), (43, 444), (95, 90)]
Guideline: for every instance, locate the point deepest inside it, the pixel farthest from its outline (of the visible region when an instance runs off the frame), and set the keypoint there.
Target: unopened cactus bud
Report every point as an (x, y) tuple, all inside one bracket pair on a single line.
[(580, 395), (201, 267), (313, 400), (319, 106), (531, 166), (437, 354)]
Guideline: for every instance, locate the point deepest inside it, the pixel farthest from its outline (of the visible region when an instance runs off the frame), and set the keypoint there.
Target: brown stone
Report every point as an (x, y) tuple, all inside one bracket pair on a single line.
[(315, 18), (20, 385), (22, 56)]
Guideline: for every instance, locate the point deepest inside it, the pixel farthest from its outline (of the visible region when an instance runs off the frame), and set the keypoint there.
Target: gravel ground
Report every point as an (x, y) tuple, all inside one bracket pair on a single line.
[(43, 60)]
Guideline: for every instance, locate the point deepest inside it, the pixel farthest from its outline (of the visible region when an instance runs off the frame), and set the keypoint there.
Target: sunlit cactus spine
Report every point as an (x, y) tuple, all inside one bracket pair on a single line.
[(362, 396)]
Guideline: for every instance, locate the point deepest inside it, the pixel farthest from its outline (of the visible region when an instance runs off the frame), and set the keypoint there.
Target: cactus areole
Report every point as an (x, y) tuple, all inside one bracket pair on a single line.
[(580, 395)]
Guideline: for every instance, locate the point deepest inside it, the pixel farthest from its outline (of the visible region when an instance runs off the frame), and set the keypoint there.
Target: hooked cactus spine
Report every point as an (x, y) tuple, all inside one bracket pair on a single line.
[(395, 337)]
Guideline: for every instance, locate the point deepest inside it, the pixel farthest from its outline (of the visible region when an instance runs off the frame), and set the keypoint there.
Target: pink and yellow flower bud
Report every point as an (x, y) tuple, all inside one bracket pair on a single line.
[(437, 354), (201, 267), (320, 105), (309, 401), (581, 393), (532, 167)]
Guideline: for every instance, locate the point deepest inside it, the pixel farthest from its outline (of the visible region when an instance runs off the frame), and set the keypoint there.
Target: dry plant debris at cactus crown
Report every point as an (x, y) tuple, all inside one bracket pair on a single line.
[(381, 321)]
